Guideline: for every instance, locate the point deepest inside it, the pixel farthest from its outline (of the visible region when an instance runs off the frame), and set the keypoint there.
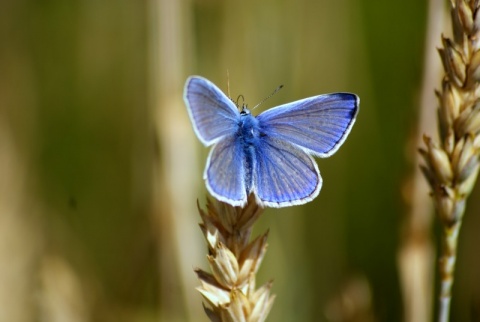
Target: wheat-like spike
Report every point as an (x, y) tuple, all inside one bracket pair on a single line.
[(229, 290), (451, 166)]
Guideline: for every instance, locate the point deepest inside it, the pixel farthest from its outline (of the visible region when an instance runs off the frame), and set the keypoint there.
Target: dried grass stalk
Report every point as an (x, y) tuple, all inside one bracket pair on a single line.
[(451, 165), (234, 261)]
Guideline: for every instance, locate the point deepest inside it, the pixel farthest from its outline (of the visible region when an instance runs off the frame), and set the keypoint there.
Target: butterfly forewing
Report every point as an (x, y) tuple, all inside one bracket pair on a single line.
[(284, 175), (318, 124), (212, 113)]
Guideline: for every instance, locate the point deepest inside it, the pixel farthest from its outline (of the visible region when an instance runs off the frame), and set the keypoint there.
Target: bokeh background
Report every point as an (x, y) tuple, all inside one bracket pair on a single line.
[(100, 171)]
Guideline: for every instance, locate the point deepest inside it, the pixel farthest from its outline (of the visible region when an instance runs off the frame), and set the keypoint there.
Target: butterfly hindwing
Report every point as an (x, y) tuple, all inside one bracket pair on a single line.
[(284, 175), (225, 172), (212, 113), (319, 124)]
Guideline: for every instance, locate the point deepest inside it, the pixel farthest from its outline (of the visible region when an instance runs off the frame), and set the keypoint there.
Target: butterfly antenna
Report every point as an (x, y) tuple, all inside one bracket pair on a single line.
[(228, 83), (266, 98), (238, 99)]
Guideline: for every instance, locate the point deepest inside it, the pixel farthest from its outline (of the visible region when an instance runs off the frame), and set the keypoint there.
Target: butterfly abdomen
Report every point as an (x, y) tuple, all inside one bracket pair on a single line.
[(248, 137)]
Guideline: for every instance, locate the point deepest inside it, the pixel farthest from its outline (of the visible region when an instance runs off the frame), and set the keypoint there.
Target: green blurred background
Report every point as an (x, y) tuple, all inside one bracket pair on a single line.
[(100, 170)]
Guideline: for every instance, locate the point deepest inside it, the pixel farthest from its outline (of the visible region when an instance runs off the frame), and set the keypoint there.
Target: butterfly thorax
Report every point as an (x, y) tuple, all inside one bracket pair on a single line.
[(248, 129)]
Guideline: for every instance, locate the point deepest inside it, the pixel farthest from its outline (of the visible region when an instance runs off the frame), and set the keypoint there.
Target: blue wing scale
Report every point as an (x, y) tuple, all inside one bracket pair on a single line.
[(225, 172), (284, 175), (318, 124), (212, 113)]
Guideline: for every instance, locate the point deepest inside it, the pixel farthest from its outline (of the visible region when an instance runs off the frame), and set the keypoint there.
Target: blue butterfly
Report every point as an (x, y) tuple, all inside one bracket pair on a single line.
[(269, 155)]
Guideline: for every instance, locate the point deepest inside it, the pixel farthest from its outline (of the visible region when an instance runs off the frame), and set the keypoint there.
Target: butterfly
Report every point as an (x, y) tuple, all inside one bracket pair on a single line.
[(269, 155)]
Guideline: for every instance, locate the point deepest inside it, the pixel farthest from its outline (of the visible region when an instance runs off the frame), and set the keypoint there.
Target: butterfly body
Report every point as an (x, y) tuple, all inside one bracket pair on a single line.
[(248, 137), (268, 155)]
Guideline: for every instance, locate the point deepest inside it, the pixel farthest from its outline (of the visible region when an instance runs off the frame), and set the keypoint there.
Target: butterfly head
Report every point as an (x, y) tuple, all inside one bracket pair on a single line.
[(245, 110)]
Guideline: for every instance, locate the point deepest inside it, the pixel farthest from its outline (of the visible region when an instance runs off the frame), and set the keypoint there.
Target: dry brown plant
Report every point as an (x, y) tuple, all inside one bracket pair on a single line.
[(229, 290), (451, 165)]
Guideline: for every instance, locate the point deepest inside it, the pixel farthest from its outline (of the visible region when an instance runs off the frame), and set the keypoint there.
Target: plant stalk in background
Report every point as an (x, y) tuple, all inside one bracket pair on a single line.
[(234, 261), (451, 165)]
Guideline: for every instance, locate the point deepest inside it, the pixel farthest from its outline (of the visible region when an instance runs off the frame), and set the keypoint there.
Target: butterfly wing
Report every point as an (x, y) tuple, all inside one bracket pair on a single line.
[(284, 175), (212, 113), (318, 124), (225, 173)]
